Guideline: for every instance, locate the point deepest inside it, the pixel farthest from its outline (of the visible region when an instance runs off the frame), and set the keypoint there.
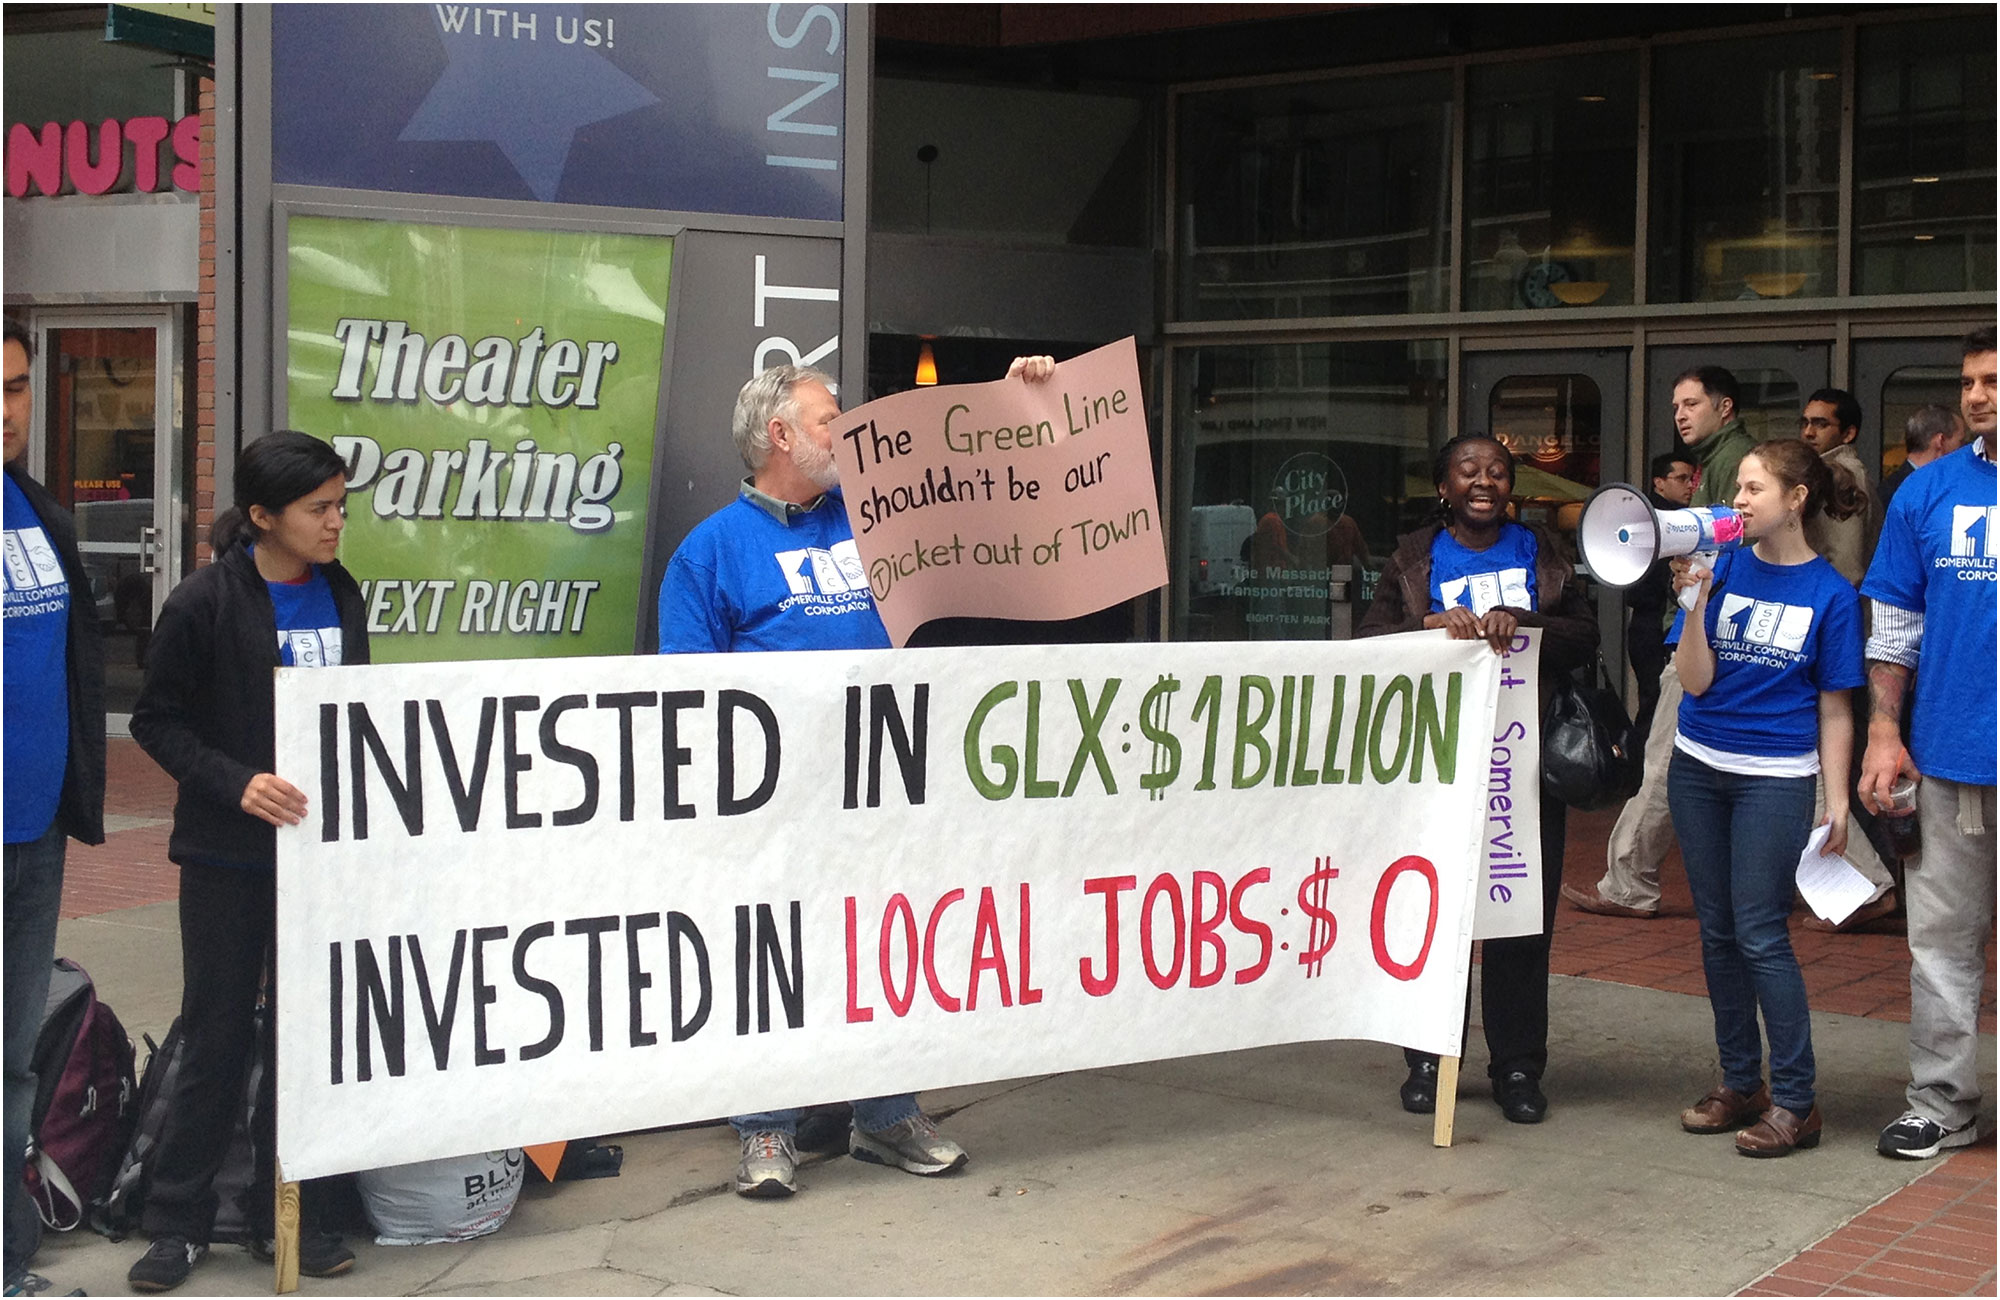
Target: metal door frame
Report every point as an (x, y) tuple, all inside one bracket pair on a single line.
[(161, 555)]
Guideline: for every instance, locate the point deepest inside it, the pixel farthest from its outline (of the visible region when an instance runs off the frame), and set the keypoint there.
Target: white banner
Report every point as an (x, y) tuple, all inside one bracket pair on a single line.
[(536, 900), (1510, 870)]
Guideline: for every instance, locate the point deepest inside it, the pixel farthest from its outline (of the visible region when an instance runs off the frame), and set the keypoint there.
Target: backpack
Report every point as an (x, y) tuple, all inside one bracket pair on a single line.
[(124, 1201), (84, 1099)]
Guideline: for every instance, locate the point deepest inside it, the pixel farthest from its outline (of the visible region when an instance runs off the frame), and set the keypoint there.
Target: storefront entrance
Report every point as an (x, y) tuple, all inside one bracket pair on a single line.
[(108, 399)]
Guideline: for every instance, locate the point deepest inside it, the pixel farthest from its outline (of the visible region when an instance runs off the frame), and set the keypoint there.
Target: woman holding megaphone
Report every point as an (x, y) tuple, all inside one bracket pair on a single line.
[(1767, 657), (1480, 576)]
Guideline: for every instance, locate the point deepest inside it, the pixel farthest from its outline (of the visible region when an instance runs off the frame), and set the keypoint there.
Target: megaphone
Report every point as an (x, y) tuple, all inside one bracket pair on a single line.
[(1621, 535)]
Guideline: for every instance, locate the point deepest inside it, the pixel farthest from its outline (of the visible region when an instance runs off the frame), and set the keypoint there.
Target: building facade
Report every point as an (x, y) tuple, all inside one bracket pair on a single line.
[(1341, 235)]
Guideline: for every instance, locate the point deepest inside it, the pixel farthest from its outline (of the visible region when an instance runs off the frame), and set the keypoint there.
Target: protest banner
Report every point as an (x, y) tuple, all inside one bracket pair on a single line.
[(1006, 499), (494, 393), (533, 899), (1510, 876)]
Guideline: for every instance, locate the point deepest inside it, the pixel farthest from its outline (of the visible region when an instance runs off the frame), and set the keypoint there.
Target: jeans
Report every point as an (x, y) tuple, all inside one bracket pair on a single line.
[(1741, 837), (1950, 891), (871, 1114), (34, 902)]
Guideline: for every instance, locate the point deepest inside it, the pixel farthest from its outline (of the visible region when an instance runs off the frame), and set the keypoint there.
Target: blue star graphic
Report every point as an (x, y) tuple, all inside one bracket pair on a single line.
[(528, 96)]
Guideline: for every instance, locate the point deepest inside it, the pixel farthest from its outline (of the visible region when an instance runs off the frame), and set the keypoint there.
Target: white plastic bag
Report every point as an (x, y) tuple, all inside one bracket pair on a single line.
[(433, 1201)]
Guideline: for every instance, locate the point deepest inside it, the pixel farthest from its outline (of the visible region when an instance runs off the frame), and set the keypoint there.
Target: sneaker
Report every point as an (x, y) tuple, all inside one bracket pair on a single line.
[(770, 1165), (913, 1144), (166, 1264), (1913, 1137), (27, 1284), (321, 1253)]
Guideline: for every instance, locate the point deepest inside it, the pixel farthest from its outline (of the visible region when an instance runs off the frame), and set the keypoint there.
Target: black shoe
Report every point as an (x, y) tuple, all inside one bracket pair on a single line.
[(321, 1254), (1420, 1090), (1520, 1096), (166, 1264)]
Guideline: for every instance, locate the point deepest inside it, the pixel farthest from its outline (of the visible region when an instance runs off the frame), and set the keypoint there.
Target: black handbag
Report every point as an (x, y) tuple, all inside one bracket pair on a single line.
[(1590, 759)]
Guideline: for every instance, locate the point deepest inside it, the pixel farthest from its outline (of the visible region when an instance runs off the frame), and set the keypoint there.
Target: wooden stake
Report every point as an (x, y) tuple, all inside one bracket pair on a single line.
[(1447, 1101), (285, 1242)]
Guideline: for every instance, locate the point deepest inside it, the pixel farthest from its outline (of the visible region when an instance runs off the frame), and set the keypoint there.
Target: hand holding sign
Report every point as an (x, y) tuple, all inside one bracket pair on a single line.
[(1007, 500)]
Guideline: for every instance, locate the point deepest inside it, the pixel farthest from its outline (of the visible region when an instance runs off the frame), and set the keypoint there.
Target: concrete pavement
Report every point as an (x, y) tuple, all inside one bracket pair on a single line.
[(1280, 1171)]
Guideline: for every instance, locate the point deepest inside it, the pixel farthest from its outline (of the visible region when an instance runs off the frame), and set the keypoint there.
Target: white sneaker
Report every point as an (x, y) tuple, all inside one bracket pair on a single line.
[(769, 1167), (913, 1144)]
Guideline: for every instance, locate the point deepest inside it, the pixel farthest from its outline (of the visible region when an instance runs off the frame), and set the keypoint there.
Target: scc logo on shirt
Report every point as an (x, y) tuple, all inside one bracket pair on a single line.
[(1972, 531), (826, 571), (35, 580), (1480, 592), (1763, 623), (309, 647)]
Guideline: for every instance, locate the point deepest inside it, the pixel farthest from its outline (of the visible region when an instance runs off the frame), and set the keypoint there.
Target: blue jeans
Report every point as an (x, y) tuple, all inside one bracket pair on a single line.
[(871, 1114), (34, 902), (1741, 837)]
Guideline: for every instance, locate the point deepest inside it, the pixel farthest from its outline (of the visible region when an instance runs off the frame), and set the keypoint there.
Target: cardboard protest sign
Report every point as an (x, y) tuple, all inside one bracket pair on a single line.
[(1006, 499), (536, 899), (494, 393)]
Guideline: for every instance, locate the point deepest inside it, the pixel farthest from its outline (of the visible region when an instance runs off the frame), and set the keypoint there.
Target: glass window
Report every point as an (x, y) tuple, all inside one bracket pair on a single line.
[(1551, 182), (1903, 394), (1746, 169), (1296, 479), (1769, 402), (1318, 199), (1923, 157), (1554, 425), (976, 160)]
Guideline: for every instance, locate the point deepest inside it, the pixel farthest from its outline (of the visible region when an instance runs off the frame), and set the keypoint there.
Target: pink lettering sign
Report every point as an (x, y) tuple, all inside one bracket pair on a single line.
[(1006, 500)]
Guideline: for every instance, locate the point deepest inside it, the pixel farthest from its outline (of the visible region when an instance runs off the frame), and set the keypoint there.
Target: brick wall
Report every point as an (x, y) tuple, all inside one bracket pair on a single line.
[(203, 496)]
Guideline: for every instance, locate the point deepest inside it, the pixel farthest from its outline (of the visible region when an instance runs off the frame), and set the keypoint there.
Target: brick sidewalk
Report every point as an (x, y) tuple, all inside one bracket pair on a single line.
[(1935, 1237)]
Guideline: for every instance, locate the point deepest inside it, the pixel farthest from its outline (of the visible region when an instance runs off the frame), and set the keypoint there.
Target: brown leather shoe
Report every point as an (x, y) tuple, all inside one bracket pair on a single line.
[(1778, 1133), (1595, 901), (1725, 1108)]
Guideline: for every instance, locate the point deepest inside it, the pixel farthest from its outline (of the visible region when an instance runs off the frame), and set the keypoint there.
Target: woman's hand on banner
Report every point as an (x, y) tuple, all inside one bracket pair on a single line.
[(1033, 369), (269, 797)]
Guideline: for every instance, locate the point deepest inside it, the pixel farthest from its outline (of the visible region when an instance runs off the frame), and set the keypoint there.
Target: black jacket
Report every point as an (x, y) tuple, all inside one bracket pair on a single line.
[(80, 811), (1568, 623), (205, 712)]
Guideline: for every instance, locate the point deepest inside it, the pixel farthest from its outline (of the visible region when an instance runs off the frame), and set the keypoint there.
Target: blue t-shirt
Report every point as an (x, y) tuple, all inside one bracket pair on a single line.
[(1781, 633), (1502, 574), (35, 604), (744, 581), (1938, 556), (308, 621)]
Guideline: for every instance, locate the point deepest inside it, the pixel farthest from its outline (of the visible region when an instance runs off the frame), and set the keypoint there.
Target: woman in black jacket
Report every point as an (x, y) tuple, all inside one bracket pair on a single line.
[(274, 596), (1480, 576)]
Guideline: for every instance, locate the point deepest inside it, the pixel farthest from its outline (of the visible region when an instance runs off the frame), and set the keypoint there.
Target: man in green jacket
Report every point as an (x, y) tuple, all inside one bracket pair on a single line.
[(1705, 417)]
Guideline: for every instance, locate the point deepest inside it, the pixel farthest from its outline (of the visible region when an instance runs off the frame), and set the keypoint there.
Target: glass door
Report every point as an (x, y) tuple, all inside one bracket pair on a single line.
[(1893, 379), (1562, 414), (109, 394)]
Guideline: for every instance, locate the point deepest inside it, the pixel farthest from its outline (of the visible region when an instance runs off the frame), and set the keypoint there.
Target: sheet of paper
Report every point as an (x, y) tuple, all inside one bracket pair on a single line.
[(1831, 885)]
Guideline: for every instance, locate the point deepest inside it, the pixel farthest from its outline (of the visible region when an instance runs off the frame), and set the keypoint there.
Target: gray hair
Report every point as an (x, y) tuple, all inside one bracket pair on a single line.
[(771, 395), (1925, 423)]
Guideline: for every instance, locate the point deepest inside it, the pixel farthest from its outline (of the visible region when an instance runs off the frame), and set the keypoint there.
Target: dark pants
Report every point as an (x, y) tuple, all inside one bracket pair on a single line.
[(34, 901), (1514, 973), (228, 916)]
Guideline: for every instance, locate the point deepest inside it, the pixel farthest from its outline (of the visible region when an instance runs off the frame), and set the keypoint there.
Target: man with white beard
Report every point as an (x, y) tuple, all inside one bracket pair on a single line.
[(777, 569)]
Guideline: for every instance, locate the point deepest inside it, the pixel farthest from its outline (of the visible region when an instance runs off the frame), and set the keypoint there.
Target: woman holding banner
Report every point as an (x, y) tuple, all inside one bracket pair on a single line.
[(1480, 576), (274, 596), (1767, 669)]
